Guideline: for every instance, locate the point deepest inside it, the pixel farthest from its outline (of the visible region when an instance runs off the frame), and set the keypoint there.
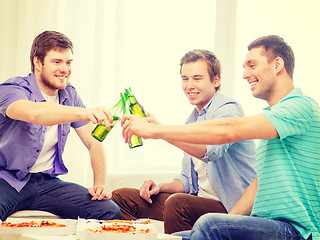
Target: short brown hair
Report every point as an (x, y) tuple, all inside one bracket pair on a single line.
[(47, 41), (275, 46), (214, 66)]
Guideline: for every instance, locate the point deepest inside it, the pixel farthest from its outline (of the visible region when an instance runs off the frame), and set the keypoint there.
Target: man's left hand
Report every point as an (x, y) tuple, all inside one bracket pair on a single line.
[(99, 192)]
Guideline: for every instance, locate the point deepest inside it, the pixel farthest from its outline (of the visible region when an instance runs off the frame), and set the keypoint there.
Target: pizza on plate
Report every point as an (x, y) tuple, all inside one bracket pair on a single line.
[(43, 223)]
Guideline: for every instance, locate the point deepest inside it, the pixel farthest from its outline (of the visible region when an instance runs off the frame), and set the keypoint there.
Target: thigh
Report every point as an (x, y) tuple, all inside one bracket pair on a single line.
[(216, 226), (133, 206), (10, 199), (70, 200), (194, 206), (181, 211)]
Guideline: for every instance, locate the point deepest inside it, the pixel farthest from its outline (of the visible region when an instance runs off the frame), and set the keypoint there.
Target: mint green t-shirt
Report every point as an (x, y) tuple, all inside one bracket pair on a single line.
[(288, 167)]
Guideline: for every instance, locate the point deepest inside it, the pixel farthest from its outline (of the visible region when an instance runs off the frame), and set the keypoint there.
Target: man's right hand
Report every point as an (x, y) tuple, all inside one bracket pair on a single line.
[(148, 189)]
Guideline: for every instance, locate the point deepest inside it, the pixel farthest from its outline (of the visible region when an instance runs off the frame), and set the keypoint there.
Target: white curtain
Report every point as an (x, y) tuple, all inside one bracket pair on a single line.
[(139, 43), (117, 43)]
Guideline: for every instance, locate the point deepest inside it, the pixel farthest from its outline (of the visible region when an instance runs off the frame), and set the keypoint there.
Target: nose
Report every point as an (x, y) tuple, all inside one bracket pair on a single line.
[(190, 84), (245, 74), (64, 68)]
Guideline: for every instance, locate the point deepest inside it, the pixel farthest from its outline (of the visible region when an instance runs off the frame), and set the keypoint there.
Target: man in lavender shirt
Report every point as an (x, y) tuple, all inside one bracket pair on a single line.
[(36, 113)]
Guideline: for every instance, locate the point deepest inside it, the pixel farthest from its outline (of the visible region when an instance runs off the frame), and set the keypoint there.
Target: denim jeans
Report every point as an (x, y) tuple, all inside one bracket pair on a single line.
[(216, 226), (68, 200)]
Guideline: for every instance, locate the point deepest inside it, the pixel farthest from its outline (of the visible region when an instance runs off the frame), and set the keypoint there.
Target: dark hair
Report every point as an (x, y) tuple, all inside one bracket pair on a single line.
[(214, 66), (275, 46), (47, 41)]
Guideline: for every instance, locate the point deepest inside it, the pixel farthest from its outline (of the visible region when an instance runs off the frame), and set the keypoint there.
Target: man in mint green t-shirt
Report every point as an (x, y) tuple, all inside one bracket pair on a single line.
[(283, 202)]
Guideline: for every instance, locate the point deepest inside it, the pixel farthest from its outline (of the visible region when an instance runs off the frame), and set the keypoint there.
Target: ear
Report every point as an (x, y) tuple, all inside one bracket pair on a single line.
[(216, 81), (37, 63), (278, 64)]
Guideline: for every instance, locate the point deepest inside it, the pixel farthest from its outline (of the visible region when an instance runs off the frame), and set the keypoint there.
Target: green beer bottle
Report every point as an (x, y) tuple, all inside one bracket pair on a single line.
[(100, 132), (135, 141), (135, 108)]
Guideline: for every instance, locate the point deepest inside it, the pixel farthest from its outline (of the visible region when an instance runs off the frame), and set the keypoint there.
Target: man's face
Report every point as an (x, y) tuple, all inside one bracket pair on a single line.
[(259, 73), (55, 71), (196, 83)]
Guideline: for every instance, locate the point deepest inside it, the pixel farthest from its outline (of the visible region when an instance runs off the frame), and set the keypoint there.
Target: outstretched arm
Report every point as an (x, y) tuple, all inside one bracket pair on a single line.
[(47, 114), (217, 131)]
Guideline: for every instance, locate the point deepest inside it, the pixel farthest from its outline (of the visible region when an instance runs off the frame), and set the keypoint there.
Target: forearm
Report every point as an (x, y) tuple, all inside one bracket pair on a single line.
[(44, 113), (245, 203), (174, 186), (195, 150), (98, 164), (217, 131)]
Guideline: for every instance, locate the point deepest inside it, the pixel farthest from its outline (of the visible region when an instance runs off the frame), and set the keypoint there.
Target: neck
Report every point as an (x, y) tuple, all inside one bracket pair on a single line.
[(283, 87)]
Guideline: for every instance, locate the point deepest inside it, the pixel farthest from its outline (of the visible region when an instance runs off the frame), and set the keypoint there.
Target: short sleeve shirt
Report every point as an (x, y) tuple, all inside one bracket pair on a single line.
[(288, 167), (21, 142)]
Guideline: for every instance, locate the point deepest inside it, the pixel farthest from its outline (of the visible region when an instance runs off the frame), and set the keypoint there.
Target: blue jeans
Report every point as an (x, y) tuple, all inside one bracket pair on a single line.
[(68, 200), (216, 226)]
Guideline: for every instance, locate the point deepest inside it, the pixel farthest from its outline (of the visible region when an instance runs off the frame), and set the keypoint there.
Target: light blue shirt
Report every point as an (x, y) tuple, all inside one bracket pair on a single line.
[(230, 168)]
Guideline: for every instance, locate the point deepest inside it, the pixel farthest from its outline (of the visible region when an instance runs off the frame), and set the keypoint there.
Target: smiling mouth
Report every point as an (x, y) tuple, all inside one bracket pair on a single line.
[(193, 93), (61, 77), (253, 83)]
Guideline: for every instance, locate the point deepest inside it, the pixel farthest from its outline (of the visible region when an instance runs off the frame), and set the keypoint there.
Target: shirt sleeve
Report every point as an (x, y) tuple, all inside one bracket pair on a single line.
[(227, 110), (292, 116), (76, 102), (185, 176), (10, 93)]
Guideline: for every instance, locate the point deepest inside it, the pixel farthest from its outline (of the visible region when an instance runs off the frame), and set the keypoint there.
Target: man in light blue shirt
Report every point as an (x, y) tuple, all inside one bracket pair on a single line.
[(213, 177)]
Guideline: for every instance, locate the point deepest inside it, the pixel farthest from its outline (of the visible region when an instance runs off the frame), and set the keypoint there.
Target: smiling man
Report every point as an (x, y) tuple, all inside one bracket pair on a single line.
[(213, 177), (36, 113), (284, 199)]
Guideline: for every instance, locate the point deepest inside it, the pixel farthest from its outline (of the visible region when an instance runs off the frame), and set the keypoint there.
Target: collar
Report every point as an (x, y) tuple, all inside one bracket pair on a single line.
[(63, 94), (294, 93)]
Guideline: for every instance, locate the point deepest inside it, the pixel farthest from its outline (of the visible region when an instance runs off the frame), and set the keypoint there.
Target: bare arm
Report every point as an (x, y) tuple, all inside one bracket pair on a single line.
[(245, 203), (217, 131), (47, 114), (150, 188), (97, 157), (195, 150)]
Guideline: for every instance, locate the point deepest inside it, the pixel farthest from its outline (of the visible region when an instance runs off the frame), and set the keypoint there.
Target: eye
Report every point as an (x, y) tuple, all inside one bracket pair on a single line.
[(69, 63)]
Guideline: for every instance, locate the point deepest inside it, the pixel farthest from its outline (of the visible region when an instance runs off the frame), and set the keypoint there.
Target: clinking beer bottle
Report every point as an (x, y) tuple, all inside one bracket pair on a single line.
[(135, 108), (100, 132), (135, 141)]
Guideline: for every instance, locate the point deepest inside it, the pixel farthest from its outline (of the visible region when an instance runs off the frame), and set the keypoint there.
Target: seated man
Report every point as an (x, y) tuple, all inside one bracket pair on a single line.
[(213, 177), (36, 113), (284, 199)]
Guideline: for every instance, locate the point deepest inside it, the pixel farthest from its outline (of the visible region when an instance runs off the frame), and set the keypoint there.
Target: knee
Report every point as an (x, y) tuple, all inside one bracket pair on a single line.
[(107, 210), (174, 204), (121, 194)]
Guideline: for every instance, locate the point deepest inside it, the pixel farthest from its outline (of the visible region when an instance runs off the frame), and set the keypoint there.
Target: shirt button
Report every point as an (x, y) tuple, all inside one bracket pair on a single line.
[(37, 150)]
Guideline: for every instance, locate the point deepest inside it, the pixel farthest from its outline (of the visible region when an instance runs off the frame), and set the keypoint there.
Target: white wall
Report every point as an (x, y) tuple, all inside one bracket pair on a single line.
[(294, 20)]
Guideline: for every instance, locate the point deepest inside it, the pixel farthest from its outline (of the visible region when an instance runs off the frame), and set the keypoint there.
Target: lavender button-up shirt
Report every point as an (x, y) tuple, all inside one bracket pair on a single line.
[(21, 142)]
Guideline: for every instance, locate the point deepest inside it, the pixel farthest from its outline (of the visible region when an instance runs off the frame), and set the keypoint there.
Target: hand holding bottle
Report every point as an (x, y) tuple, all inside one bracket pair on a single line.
[(136, 125), (151, 118), (102, 129), (98, 115)]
